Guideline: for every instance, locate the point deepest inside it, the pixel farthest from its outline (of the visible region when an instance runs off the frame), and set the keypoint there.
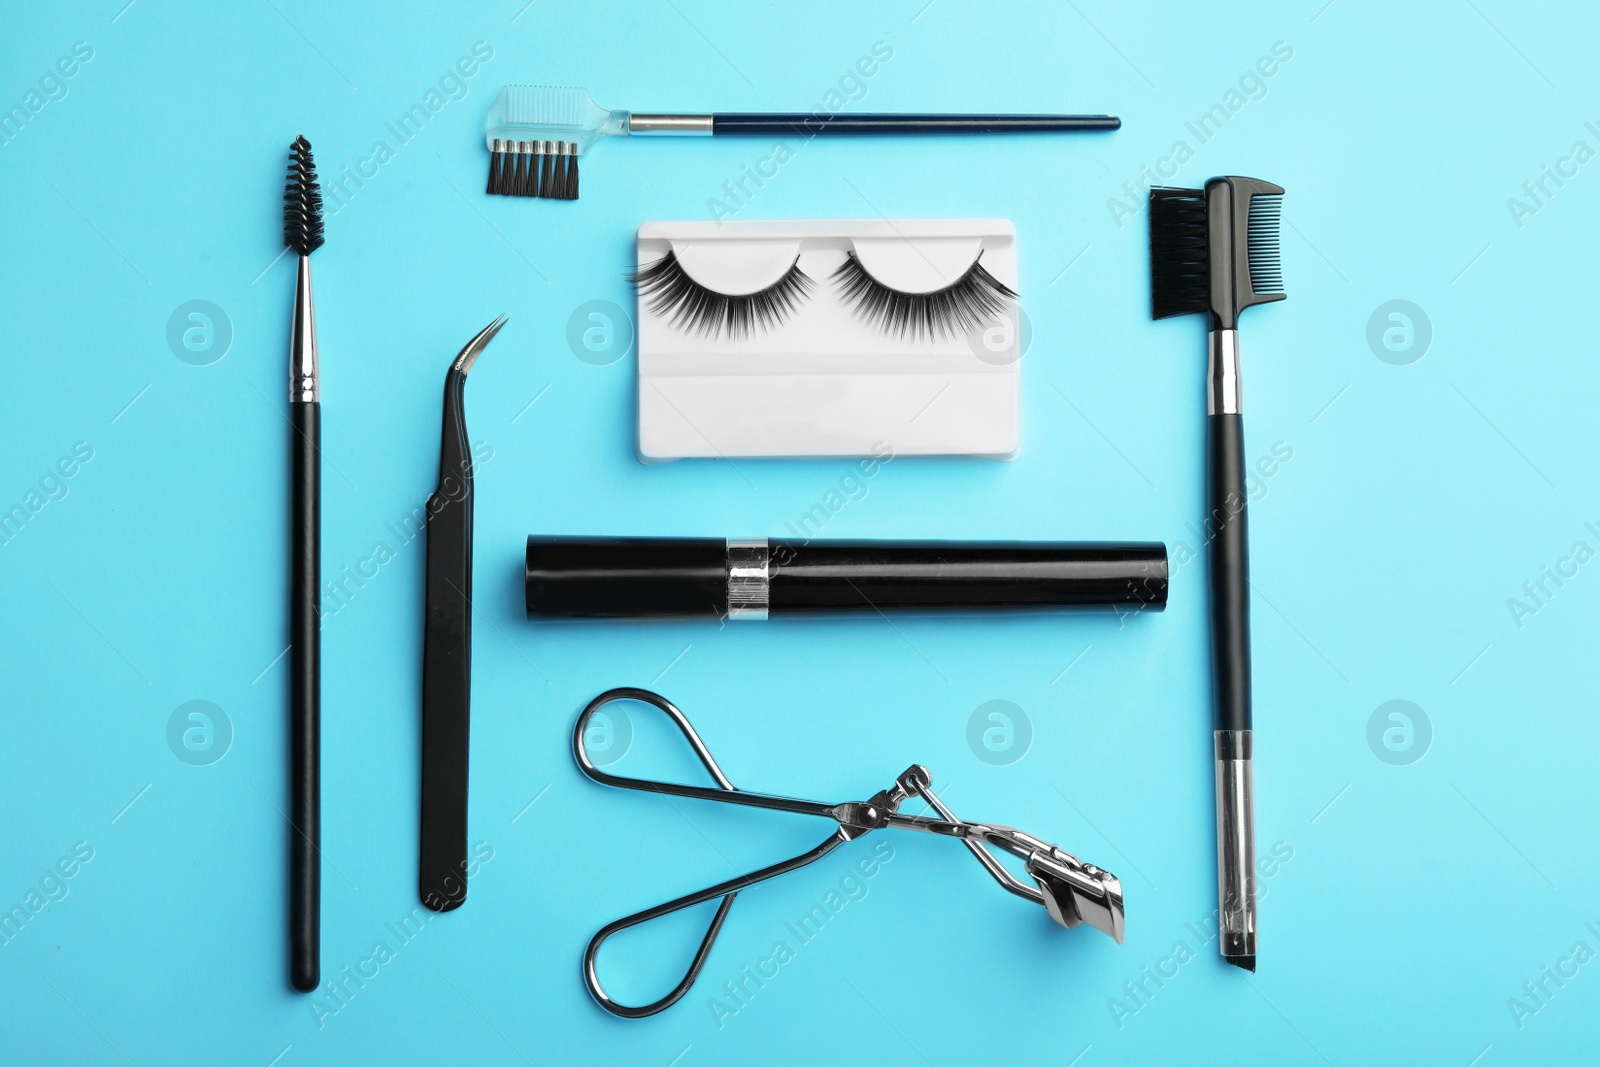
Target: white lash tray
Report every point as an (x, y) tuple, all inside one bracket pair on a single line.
[(824, 381)]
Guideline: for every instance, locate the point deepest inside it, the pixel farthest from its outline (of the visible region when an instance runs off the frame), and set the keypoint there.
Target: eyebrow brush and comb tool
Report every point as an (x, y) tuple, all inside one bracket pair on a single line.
[(537, 132), (302, 234), (1215, 251)]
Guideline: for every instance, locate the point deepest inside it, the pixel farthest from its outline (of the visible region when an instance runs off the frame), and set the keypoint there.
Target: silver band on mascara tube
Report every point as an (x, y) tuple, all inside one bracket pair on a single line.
[(749, 578)]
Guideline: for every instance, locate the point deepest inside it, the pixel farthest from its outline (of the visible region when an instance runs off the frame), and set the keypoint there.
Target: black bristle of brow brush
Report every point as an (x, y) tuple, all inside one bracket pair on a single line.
[(560, 190), (535, 184), (547, 173), (302, 201), (519, 181), (1180, 276), (508, 163), (494, 168), (572, 176)]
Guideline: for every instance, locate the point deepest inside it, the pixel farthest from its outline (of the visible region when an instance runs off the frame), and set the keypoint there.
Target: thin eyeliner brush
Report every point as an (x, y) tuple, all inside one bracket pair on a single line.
[(302, 234)]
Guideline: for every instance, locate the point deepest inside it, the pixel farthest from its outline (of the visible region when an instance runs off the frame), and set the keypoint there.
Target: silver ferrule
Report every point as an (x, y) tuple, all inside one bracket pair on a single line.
[(303, 372), (749, 578), (1236, 844), (1222, 392), (686, 124)]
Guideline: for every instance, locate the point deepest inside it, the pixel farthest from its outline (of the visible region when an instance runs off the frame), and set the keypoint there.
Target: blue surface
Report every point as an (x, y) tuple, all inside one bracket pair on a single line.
[(1420, 496)]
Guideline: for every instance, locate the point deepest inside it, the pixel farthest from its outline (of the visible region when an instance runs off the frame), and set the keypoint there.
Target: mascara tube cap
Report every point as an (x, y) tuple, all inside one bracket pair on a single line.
[(626, 577)]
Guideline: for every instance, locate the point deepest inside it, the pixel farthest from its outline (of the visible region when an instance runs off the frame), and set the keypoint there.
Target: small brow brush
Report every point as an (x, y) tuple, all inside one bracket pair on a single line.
[(1215, 250), (539, 131), (302, 234)]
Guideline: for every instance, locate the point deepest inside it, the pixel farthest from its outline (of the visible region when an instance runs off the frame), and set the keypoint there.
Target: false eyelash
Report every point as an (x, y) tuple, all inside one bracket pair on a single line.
[(669, 291), (969, 302)]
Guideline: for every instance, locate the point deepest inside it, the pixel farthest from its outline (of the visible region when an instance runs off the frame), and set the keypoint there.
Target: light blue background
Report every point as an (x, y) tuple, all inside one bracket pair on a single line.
[(1419, 498)]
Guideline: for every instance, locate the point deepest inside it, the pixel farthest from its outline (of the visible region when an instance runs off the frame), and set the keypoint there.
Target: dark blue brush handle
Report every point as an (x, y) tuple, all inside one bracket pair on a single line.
[(805, 124)]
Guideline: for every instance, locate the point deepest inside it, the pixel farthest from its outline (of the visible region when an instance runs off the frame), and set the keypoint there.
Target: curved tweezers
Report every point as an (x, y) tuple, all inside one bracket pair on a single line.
[(1072, 891), (447, 649)]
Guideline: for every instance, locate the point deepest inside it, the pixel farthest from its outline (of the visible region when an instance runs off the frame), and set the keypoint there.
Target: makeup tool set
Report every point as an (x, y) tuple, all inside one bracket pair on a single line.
[(798, 339)]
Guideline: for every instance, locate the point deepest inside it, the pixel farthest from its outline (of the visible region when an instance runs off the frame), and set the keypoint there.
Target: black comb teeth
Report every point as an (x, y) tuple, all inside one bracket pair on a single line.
[(547, 169), (302, 201), (1180, 276), (1266, 265)]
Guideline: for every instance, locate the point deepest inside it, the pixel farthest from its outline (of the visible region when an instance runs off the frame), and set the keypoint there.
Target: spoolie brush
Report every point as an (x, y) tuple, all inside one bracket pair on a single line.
[(302, 201), (302, 234), (1215, 250)]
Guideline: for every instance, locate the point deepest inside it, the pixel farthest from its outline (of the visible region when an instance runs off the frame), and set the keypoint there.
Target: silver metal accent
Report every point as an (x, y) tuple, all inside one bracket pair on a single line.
[(304, 387), (749, 578), (1236, 844), (474, 348), (689, 124), (1222, 375), (1071, 890)]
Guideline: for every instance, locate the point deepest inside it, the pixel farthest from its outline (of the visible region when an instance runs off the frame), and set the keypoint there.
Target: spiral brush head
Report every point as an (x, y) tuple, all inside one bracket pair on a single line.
[(302, 201)]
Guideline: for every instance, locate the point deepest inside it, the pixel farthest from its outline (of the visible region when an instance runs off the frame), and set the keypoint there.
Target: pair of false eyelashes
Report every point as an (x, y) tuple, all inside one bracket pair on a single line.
[(970, 302)]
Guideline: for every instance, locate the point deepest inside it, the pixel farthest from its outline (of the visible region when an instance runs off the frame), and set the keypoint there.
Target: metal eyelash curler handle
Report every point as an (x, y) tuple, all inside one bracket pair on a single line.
[(1073, 892)]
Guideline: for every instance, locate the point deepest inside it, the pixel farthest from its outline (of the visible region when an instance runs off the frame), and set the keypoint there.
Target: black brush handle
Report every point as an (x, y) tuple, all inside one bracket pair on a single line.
[(447, 667), (305, 683), (805, 123), (1230, 572)]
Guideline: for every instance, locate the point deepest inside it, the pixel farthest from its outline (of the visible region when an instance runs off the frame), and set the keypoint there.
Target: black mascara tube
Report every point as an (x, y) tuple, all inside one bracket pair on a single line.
[(641, 577)]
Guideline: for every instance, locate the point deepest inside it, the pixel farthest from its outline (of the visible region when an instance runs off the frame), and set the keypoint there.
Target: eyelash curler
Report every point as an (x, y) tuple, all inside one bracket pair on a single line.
[(1073, 892)]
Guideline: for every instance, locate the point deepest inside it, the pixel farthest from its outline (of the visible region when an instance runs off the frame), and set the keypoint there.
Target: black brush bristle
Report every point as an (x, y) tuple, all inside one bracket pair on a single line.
[(572, 178), (302, 201), (508, 158), (495, 155), (518, 184), (547, 173), (1179, 275), (557, 188), (1266, 265)]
